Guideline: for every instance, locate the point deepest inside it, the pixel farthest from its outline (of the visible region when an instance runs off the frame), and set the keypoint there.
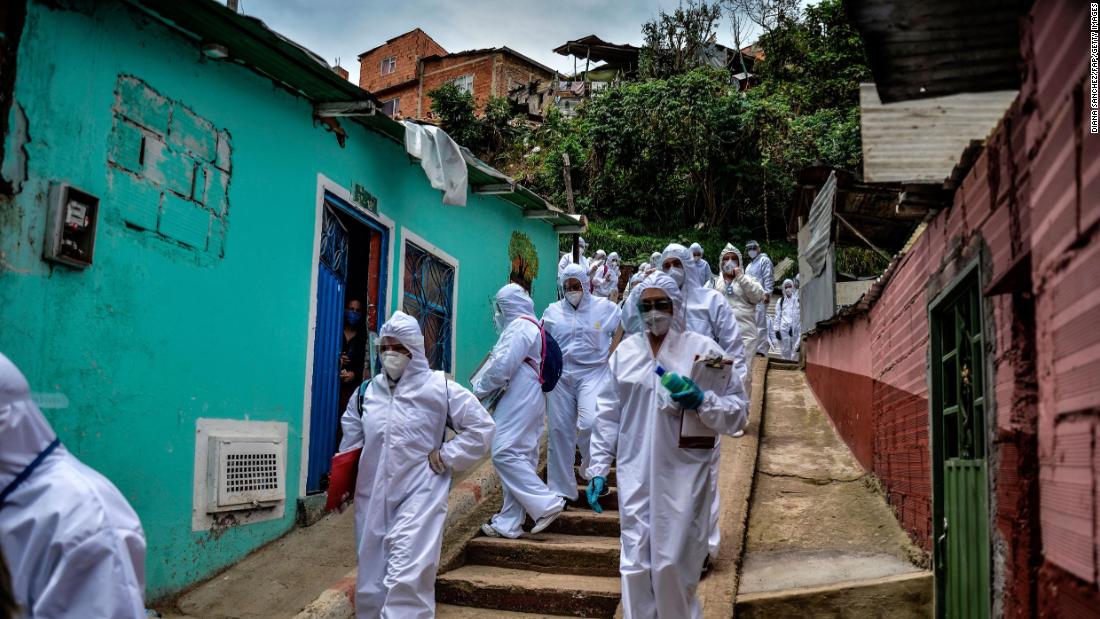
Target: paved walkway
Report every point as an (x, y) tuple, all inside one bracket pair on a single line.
[(817, 521)]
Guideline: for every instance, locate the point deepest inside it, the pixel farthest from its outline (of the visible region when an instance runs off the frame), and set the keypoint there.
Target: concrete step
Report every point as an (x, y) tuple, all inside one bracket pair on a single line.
[(610, 501), (587, 522), (584, 482), (902, 596), (557, 552), (500, 588), (448, 611)]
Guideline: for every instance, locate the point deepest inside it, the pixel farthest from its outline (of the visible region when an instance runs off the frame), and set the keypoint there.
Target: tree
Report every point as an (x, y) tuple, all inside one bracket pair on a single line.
[(488, 136), (676, 42)]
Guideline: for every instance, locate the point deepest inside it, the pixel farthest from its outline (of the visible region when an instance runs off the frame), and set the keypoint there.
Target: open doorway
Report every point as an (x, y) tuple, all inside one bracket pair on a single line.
[(351, 302)]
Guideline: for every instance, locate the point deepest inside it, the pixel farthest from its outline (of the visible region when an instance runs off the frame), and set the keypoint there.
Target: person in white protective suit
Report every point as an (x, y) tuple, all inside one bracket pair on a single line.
[(399, 417), (636, 278), (700, 266), (707, 313), (605, 281), (514, 366), (665, 491), (583, 325), (568, 257), (742, 292), (74, 546), (788, 328), (760, 267)]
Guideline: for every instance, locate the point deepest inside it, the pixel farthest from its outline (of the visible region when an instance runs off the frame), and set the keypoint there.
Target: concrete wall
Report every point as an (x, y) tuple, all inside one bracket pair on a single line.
[(168, 326), (1030, 211)]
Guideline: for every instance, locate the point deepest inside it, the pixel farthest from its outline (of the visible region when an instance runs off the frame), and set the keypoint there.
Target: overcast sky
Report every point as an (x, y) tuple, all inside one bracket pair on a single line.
[(345, 28)]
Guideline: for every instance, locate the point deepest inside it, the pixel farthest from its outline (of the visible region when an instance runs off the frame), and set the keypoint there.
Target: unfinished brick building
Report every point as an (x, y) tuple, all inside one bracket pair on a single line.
[(405, 69), (968, 377)]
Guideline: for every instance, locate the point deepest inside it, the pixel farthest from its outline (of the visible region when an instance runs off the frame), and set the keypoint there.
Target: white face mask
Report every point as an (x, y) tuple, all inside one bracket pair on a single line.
[(696, 257), (574, 297), (677, 275), (753, 253), (657, 322), (394, 363), (729, 267), (788, 291)]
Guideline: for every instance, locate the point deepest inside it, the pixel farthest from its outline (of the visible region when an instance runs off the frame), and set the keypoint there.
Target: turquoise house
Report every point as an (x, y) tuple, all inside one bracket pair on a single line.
[(187, 201)]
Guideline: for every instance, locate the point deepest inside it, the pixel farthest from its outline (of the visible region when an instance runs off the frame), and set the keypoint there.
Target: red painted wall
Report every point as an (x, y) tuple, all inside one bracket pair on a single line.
[(838, 370), (1031, 207)]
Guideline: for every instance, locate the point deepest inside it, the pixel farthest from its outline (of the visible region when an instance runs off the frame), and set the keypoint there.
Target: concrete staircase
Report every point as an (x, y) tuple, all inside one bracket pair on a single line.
[(569, 570)]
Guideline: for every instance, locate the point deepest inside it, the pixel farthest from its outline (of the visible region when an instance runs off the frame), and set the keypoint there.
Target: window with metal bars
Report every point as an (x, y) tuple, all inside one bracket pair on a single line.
[(429, 296)]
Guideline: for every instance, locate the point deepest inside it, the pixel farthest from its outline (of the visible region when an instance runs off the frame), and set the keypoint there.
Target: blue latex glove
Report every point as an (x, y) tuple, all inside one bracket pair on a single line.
[(690, 397), (595, 489)]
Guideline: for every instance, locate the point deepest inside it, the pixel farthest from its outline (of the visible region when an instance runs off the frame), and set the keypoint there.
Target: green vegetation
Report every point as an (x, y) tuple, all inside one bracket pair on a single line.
[(681, 153)]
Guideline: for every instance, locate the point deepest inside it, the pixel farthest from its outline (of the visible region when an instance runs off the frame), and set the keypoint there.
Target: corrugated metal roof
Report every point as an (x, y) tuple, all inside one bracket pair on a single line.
[(930, 48), (920, 141)]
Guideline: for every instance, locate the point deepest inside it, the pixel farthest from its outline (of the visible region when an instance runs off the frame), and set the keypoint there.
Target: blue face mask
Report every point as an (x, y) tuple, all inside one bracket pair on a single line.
[(352, 317)]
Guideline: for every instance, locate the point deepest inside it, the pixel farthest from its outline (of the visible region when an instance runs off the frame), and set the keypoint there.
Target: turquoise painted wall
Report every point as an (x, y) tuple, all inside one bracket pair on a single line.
[(155, 335)]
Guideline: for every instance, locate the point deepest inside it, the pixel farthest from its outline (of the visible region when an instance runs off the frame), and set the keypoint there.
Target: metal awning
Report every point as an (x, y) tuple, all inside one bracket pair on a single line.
[(594, 48), (930, 48)]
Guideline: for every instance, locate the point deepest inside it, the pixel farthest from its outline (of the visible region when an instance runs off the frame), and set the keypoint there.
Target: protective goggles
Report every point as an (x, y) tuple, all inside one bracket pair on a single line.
[(661, 305)]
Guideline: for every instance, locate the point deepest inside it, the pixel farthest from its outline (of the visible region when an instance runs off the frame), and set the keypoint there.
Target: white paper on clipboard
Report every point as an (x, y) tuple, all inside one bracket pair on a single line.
[(711, 374)]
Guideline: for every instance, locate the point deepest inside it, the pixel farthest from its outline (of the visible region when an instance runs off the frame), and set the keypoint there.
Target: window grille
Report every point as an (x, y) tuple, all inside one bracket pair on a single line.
[(429, 296)]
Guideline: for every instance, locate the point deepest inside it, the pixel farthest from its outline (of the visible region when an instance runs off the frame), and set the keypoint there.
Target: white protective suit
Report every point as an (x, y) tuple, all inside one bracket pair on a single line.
[(743, 294), (701, 266), (74, 546), (788, 323), (567, 259), (519, 414), (606, 278), (761, 269), (708, 314), (400, 503), (584, 334), (665, 492)]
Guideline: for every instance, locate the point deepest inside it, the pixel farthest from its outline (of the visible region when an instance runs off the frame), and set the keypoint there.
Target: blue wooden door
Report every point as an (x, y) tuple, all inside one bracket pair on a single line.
[(332, 273)]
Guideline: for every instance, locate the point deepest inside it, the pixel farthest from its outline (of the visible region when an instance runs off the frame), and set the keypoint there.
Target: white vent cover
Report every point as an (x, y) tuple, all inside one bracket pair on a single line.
[(248, 472), (240, 472)]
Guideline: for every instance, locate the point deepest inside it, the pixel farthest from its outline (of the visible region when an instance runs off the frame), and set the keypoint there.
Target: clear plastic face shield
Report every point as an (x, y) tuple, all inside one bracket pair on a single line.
[(498, 315), (656, 310), (573, 291)]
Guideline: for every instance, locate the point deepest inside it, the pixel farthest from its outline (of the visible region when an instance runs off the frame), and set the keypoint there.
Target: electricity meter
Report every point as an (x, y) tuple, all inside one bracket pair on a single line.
[(70, 226)]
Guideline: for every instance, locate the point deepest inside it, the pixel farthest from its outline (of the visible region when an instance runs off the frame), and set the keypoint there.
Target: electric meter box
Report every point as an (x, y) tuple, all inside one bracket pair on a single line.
[(70, 226)]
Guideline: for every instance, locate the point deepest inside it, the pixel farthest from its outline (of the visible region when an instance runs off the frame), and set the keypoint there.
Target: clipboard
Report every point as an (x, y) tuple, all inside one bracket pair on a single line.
[(341, 484), (711, 374)]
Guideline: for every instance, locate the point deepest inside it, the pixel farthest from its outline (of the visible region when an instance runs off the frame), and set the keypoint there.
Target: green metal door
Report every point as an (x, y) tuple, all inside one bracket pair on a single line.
[(960, 473)]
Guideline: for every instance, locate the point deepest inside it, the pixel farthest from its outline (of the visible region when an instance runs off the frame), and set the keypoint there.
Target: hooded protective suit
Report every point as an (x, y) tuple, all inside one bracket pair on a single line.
[(788, 322), (743, 294), (584, 334), (760, 268), (606, 278), (73, 545), (665, 492), (400, 503), (568, 257), (701, 266), (513, 364)]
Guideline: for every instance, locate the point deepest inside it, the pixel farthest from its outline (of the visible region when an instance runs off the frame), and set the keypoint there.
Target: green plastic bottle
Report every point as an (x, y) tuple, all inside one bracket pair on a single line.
[(671, 380)]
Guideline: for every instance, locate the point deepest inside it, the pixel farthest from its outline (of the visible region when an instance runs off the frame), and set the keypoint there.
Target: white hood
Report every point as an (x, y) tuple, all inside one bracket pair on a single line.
[(24, 432)]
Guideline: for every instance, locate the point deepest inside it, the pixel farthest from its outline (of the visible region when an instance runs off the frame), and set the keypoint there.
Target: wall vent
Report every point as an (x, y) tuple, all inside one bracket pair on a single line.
[(249, 472), (240, 469)]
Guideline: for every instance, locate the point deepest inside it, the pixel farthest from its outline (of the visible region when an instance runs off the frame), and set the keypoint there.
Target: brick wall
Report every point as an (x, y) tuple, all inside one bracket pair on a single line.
[(408, 49), (170, 168), (440, 71), (1030, 207)]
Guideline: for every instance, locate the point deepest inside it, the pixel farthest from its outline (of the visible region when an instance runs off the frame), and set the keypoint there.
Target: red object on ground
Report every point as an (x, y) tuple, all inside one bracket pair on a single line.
[(341, 482)]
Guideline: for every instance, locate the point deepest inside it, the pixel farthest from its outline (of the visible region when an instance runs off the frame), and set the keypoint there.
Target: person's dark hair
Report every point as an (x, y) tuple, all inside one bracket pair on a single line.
[(8, 606)]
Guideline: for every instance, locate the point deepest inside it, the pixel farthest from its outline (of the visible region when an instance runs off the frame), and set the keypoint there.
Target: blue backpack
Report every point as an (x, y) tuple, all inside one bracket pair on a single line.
[(551, 363)]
